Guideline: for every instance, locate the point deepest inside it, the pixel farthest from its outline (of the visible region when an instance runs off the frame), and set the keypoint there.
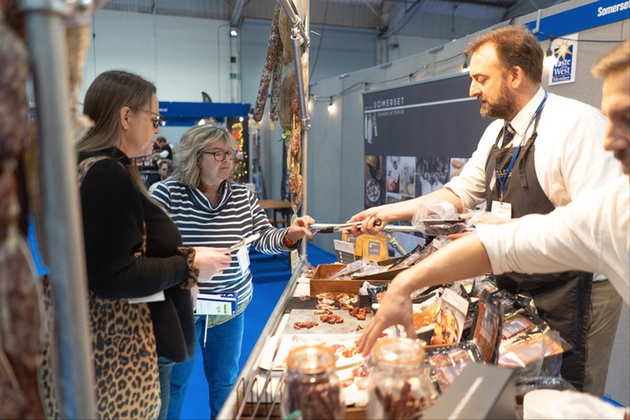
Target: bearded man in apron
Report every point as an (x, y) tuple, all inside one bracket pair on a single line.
[(542, 152)]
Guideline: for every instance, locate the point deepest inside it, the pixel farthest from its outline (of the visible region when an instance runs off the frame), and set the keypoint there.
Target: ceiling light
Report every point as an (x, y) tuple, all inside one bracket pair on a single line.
[(233, 33), (331, 108), (550, 58)]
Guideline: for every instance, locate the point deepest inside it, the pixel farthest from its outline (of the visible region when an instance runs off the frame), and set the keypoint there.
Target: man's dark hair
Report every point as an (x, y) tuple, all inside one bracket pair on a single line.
[(515, 46)]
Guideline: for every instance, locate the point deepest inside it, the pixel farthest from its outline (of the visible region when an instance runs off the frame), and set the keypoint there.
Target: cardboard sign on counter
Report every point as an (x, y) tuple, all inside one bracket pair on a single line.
[(344, 251)]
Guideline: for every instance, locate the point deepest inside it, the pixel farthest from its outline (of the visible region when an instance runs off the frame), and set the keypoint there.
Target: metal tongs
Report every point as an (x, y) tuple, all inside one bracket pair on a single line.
[(243, 242), (325, 228)]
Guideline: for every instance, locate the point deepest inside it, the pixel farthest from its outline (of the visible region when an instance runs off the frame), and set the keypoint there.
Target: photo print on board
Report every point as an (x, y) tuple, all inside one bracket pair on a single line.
[(456, 166), (407, 176), (391, 199), (369, 129), (374, 181), (431, 174), (392, 180)]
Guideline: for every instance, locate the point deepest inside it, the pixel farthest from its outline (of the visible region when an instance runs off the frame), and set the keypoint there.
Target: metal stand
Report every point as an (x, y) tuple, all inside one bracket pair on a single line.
[(392, 240), (390, 229), (253, 395), (45, 20), (299, 38)]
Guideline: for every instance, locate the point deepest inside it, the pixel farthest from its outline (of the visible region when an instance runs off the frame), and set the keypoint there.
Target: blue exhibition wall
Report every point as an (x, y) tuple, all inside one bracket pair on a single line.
[(581, 18), (188, 113)]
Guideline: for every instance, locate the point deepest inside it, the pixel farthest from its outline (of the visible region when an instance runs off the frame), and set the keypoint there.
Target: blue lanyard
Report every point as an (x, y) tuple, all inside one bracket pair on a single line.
[(518, 149)]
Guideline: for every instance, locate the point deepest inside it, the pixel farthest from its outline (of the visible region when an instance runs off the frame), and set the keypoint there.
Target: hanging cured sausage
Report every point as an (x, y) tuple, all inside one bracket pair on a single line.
[(20, 319), (284, 102)]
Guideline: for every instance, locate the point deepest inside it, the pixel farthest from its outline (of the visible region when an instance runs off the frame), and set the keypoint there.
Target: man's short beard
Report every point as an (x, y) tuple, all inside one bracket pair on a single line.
[(503, 108)]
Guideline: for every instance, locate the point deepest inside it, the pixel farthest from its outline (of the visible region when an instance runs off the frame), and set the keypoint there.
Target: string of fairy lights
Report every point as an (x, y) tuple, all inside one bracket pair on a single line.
[(550, 60), (240, 173)]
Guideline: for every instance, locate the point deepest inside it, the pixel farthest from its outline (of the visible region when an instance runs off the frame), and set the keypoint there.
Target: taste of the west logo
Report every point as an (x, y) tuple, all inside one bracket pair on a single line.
[(563, 50), (562, 70)]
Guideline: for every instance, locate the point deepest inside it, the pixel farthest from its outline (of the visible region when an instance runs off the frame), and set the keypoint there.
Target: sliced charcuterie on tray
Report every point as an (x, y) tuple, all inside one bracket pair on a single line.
[(343, 345)]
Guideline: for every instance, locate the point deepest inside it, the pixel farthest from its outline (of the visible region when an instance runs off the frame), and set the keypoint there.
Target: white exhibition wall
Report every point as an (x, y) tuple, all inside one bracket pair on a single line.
[(182, 56)]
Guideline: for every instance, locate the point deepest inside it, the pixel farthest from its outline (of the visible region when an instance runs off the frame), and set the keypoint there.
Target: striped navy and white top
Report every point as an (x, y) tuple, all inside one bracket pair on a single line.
[(238, 215)]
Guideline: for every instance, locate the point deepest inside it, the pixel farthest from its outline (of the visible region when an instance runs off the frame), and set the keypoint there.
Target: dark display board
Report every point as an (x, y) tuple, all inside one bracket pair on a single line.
[(418, 136)]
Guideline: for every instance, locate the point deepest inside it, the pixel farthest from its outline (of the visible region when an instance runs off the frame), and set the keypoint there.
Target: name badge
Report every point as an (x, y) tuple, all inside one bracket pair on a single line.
[(503, 210), (156, 297), (243, 258), (217, 303)]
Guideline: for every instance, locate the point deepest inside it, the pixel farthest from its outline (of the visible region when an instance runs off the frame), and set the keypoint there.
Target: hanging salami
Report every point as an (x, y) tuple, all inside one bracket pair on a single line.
[(270, 61)]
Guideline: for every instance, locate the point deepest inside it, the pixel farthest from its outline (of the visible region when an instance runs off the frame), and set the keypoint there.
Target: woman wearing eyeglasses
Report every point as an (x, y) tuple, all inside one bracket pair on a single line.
[(134, 254), (210, 210)]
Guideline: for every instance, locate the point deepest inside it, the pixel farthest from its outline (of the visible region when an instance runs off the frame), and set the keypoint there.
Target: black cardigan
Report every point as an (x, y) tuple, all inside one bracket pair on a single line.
[(113, 214)]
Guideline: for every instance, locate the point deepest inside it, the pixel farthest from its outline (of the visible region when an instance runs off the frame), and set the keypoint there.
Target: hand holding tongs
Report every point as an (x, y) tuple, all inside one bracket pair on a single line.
[(324, 228)]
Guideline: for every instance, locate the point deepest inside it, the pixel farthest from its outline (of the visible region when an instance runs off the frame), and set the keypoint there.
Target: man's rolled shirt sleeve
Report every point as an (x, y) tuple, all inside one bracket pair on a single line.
[(590, 234)]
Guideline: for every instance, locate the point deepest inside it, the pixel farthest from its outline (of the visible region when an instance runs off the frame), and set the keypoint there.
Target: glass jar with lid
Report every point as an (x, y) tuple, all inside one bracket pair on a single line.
[(311, 384), (398, 387)]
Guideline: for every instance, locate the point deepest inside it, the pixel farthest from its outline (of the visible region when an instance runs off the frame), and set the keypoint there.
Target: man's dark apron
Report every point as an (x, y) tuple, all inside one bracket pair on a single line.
[(562, 299)]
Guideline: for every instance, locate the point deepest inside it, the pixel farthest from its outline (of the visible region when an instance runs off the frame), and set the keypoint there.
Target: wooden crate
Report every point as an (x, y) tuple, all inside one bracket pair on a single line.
[(320, 283), (355, 413)]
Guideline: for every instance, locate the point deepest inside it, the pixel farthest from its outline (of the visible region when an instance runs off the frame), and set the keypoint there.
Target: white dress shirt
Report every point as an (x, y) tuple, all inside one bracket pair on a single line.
[(569, 157), (590, 234)]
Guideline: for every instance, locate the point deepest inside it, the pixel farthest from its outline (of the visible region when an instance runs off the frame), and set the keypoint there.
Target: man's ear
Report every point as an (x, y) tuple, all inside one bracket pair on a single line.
[(125, 115), (516, 77)]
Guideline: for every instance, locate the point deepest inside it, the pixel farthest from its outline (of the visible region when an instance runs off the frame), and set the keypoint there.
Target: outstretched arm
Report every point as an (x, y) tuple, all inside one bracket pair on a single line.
[(403, 210), (300, 228), (458, 260)]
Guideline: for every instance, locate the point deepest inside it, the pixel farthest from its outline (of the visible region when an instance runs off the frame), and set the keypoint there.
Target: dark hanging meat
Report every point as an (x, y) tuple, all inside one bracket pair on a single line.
[(295, 186), (19, 298), (296, 145), (270, 60), (289, 106), (276, 84), (13, 105), (20, 322), (285, 36)]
